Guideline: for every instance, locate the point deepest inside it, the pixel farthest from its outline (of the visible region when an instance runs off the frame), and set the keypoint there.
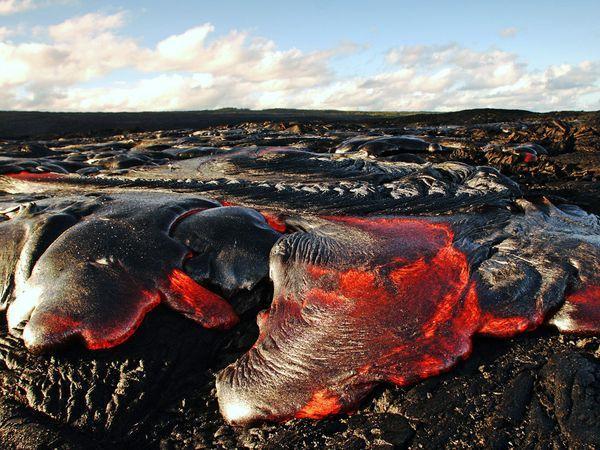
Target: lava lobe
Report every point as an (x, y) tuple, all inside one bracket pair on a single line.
[(89, 269), (359, 301)]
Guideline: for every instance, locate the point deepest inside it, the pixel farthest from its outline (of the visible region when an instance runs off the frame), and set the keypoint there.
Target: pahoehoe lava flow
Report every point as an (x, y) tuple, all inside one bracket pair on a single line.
[(365, 257), (89, 269), (398, 299)]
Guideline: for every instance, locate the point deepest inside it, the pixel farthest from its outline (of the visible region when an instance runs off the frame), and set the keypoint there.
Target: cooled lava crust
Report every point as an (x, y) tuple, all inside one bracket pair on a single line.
[(133, 268)]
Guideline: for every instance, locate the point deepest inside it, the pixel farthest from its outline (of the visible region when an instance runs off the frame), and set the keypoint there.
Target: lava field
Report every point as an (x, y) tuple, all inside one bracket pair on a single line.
[(426, 281)]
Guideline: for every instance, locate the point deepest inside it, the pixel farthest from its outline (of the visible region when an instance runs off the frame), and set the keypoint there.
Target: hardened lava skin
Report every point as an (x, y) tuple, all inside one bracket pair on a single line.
[(295, 180), (359, 301), (89, 269), (397, 148)]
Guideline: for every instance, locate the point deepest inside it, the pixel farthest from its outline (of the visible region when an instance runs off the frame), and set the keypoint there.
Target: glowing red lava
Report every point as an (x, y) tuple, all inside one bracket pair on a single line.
[(322, 404), (34, 176), (359, 301), (581, 313), (198, 303)]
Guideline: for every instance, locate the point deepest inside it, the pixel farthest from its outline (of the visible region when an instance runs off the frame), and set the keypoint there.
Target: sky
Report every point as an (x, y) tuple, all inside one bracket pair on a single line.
[(377, 55)]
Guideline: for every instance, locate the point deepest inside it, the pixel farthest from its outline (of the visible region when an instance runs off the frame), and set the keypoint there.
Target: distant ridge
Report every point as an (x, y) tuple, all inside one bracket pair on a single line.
[(46, 125)]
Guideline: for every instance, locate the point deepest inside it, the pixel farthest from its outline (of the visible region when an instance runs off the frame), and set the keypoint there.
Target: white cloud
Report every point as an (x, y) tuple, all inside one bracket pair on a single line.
[(15, 6), (4, 33), (450, 77), (8, 7), (88, 47), (509, 32), (89, 25), (468, 69), (63, 68)]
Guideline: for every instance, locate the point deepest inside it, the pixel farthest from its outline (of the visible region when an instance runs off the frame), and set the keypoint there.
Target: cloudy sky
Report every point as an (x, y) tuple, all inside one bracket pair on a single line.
[(87, 55)]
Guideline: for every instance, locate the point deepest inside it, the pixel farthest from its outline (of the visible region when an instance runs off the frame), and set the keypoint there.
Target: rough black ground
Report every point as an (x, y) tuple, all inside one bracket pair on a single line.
[(538, 390)]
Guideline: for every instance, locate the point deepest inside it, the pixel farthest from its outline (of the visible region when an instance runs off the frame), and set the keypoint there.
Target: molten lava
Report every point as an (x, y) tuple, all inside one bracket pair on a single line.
[(198, 303), (34, 176), (359, 301)]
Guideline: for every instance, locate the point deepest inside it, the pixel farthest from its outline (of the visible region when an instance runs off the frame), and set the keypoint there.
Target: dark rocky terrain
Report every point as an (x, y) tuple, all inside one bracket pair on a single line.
[(157, 390)]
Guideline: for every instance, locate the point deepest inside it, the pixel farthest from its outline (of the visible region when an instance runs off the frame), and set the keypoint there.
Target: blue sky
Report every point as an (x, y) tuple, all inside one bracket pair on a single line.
[(533, 54)]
